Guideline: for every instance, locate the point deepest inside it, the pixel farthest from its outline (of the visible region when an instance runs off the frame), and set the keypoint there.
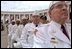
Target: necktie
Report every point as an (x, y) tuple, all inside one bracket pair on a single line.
[(64, 31)]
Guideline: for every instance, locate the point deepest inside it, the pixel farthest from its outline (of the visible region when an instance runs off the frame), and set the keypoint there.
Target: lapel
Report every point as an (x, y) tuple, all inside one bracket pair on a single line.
[(58, 33), (68, 29)]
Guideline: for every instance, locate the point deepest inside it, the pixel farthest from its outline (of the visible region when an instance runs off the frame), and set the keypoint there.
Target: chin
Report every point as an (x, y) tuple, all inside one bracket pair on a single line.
[(63, 22)]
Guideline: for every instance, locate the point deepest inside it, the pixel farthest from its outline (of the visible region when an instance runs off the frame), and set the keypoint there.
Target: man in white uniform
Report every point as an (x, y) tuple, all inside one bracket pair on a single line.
[(23, 21), (11, 32), (27, 34), (16, 34), (54, 35)]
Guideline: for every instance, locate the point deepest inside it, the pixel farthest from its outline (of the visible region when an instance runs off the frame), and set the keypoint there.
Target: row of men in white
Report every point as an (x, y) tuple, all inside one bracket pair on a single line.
[(39, 34)]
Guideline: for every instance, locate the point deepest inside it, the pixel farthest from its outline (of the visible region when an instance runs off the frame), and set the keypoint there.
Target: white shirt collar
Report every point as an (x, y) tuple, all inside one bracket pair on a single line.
[(57, 24), (38, 24)]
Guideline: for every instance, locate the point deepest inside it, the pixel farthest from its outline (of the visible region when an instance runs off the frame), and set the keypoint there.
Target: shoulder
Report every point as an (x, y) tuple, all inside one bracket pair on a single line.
[(14, 25), (51, 27), (9, 25), (28, 24), (20, 25), (68, 24), (43, 26)]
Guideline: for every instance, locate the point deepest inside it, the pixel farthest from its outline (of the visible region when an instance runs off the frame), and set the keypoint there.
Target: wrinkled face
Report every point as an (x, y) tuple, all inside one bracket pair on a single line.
[(36, 19), (59, 12)]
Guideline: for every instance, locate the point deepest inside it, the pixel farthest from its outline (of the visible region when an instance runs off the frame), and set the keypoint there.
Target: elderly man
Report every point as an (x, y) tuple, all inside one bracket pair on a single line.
[(55, 34)]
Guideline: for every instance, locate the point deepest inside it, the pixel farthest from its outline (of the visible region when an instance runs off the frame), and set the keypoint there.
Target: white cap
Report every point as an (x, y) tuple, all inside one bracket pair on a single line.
[(35, 13), (54, 2), (6, 19), (24, 17), (13, 20), (18, 20)]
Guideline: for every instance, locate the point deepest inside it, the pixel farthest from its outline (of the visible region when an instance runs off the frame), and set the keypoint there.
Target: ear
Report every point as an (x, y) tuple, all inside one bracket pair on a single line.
[(49, 14)]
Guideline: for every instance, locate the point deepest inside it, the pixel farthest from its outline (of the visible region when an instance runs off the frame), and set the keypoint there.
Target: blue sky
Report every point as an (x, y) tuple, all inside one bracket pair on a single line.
[(24, 5)]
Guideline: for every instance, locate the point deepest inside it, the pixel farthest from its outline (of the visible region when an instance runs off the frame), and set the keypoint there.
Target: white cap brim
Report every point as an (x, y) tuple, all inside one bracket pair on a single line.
[(35, 13), (13, 20), (54, 2), (24, 17)]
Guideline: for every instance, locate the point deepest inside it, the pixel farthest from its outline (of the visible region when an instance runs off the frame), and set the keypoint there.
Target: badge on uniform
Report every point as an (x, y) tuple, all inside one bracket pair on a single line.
[(54, 41), (53, 32)]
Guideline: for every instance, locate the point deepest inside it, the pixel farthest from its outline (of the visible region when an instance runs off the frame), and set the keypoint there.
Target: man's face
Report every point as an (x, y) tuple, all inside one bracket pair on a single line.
[(24, 21), (13, 23), (17, 22), (35, 18), (59, 12)]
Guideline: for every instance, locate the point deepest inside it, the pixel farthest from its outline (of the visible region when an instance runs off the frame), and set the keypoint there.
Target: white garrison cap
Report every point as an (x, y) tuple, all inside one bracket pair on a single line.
[(18, 20), (54, 2), (6, 19), (13, 21), (35, 13), (24, 17)]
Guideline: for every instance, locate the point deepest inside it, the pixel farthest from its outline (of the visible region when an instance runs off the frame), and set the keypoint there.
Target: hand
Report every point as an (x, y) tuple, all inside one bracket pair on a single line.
[(35, 30)]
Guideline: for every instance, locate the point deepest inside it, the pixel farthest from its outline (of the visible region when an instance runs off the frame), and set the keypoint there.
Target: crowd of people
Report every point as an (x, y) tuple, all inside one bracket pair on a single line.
[(40, 33)]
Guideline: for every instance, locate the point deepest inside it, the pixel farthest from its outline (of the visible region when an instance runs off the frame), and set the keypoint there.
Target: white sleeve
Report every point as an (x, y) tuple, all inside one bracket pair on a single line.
[(17, 34), (9, 28), (24, 34)]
